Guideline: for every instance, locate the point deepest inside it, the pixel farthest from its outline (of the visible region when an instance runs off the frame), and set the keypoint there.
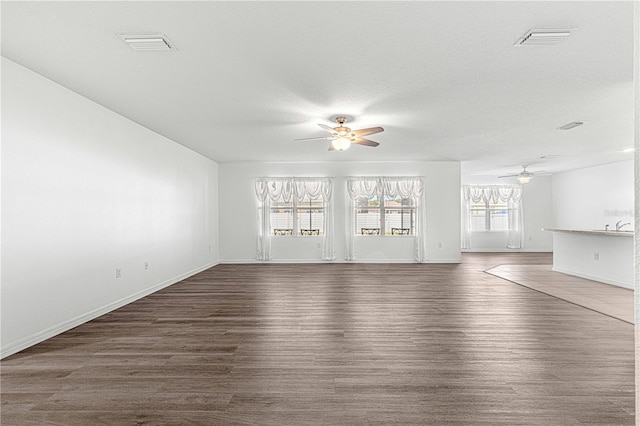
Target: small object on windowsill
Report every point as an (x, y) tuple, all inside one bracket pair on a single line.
[(370, 231), (400, 231)]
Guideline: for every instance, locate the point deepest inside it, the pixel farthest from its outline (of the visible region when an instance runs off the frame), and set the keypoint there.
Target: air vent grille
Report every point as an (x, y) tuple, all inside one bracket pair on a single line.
[(571, 125), (147, 42), (543, 37)]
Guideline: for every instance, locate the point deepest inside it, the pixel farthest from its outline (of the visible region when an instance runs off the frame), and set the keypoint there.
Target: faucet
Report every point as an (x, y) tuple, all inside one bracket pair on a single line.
[(619, 227), (606, 227)]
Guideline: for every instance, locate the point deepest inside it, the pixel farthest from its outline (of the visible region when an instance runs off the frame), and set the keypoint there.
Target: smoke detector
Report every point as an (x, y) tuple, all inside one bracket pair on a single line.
[(543, 37), (147, 42)]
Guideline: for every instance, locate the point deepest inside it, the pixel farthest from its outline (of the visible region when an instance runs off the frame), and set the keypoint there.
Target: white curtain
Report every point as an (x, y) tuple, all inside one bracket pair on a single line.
[(511, 194), (358, 187), (273, 189), (405, 187)]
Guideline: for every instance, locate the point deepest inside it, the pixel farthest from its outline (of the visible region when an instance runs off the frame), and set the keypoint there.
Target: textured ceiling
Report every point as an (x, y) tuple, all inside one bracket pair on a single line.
[(442, 78)]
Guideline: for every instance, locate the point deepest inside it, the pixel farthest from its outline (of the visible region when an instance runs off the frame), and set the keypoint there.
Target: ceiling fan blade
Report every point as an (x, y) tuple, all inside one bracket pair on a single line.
[(368, 131), (516, 175), (327, 128), (323, 138), (365, 142)]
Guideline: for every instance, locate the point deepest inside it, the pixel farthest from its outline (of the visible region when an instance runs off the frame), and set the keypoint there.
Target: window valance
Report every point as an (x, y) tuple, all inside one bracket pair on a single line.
[(494, 193), (285, 188), (405, 187)]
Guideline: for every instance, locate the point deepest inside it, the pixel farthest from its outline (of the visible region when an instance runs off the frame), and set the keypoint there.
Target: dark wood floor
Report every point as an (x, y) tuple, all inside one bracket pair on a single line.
[(333, 344)]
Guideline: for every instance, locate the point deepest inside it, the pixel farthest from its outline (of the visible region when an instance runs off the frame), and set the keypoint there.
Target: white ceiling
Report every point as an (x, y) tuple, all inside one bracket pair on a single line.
[(442, 78)]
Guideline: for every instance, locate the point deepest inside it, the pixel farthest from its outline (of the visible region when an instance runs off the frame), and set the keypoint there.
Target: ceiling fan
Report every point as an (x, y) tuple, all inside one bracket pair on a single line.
[(524, 176), (342, 137)]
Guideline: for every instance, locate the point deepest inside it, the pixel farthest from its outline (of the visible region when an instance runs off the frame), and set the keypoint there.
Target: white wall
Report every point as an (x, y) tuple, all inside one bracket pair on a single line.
[(590, 198), (536, 202), (86, 191), (238, 211)]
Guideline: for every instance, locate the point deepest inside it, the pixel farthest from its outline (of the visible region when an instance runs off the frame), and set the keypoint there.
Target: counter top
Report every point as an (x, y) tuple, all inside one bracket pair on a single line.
[(593, 232)]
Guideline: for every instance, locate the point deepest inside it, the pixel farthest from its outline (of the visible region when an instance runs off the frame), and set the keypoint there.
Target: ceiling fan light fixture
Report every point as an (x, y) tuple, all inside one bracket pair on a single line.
[(340, 144), (524, 179)]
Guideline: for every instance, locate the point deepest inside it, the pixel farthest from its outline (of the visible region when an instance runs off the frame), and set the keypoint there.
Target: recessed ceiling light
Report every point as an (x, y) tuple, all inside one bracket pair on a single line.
[(571, 125), (147, 42), (546, 37)]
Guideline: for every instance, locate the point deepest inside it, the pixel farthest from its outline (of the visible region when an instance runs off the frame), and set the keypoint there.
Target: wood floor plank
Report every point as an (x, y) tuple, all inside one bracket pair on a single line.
[(356, 344), (607, 299)]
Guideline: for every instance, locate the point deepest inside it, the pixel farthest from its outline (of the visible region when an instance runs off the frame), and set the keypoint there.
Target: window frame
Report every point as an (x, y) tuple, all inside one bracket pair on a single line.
[(295, 211), (382, 208), (487, 209)]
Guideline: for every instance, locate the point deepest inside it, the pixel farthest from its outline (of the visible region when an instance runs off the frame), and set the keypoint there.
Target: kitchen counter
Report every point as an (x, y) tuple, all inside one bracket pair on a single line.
[(598, 255), (594, 232)]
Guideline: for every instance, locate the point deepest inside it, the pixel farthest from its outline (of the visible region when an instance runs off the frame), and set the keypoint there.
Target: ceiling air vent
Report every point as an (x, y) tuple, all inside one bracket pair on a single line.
[(571, 125), (544, 37), (147, 42)]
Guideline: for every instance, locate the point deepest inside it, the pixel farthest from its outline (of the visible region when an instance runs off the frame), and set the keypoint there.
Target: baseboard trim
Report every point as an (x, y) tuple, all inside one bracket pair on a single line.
[(26, 342), (290, 261), (593, 278), (247, 261), (505, 250)]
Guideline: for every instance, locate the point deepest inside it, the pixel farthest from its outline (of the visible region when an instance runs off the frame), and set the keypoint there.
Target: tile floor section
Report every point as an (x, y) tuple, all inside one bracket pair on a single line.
[(616, 302)]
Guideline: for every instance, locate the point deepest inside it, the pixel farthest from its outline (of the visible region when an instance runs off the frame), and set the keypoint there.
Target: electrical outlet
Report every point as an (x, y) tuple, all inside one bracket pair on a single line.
[(530, 238), (439, 245), (318, 245), (118, 273), (146, 265), (209, 249), (596, 256)]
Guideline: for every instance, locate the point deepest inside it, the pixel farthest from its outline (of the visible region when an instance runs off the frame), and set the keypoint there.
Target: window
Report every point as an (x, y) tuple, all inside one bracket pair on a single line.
[(281, 218), (294, 206), (385, 215), (489, 216), (302, 218), (489, 208), (386, 206)]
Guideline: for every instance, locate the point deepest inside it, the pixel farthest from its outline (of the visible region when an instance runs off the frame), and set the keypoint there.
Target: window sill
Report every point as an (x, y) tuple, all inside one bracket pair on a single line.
[(385, 236), (489, 232), (297, 236)]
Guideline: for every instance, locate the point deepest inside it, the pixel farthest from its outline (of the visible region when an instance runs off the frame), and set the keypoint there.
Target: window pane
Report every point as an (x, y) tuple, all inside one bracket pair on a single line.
[(310, 221), (282, 221), (499, 220), (477, 220), (368, 216), (399, 221), (368, 221), (399, 216)]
